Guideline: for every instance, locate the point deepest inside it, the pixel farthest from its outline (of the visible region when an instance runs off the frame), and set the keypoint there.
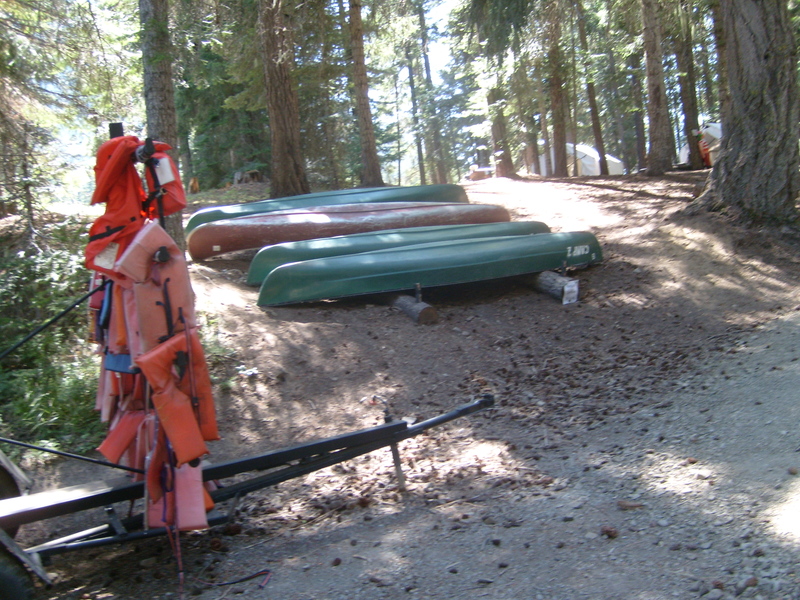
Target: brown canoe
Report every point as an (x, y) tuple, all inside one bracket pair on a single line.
[(246, 233)]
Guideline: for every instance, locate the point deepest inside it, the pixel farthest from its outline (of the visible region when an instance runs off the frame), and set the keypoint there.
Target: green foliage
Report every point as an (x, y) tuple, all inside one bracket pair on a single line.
[(47, 386)]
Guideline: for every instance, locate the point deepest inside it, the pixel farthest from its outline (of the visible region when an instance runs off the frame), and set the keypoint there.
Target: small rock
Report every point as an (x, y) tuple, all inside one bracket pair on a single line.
[(148, 562), (663, 523), (485, 581), (502, 565), (609, 532), (793, 471), (714, 594), (496, 542), (628, 505), (336, 562), (747, 583), (232, 529)]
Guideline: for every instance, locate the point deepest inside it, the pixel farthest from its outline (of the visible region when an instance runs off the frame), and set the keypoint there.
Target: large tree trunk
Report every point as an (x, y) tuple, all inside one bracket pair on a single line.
[(415, 118), (288, 176), (597, 130), (548, 154), (558, 100), (504, 163), (440, 172), (370, 164), (159, 94), (638, 113), (659, 158), (756, 174), (722, 60), (687, 82)]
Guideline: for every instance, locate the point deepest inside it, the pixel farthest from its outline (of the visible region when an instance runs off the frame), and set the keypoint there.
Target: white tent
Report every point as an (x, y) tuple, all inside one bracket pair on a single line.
[(711, 134), (587, 159)]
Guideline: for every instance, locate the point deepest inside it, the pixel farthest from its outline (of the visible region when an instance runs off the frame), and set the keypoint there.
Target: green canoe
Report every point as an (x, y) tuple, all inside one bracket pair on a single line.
[(429, 265), (447, 192), (272, 257)]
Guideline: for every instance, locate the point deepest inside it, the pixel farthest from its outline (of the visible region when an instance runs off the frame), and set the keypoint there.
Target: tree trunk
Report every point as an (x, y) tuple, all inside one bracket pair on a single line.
[(659, 158), (548, 154), (288, 177), (27, 186), (638, 113), (622, 148), (415, 118), (597, 129), (722, 61), (756, 174), (159, 94), (504, 163), (558, 102), (370, 163), (687, 81), (434, 123)]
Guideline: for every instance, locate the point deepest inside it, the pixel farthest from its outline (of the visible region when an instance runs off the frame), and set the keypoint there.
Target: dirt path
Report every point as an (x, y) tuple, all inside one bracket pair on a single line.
[(643, 445)]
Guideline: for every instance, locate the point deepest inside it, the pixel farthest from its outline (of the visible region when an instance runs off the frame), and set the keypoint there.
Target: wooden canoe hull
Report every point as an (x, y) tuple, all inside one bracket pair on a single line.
[(429, 265), (245, 233), (272, 257), (421, 193)]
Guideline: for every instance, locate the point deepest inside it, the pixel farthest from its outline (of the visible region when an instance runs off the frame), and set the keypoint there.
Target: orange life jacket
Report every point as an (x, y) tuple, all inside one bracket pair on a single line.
[(119, 186), (180, 362), (173, 196)]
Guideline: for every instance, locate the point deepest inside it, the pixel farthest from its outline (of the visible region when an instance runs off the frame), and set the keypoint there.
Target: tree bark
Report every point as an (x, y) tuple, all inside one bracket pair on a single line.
[(722, 60), (288, 176), (659, 158), (757, 172), (415, 118), (504, 163), (370, 163), (434, 123), (548, 154), (159, 94), (597, 130), (688, 85), (558, 101), (638, 113)]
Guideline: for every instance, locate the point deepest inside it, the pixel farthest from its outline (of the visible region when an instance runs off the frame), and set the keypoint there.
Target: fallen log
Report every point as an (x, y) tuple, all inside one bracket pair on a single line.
[(420, 312), (553, 284)]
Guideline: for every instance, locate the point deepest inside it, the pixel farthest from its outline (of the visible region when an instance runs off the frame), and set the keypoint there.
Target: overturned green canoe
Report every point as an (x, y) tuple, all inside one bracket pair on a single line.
[(420, 193), (272, 257), (429, 265)]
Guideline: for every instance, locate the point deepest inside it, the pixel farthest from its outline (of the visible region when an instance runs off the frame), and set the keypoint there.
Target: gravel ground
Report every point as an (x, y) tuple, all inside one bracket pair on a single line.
[(644, 443)]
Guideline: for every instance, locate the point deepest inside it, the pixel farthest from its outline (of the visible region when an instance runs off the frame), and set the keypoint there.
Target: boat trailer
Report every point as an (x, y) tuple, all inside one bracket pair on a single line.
[(270, 468)]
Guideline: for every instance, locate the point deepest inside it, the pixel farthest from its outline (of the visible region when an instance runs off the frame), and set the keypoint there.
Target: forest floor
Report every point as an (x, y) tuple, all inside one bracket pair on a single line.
[(643, 446)]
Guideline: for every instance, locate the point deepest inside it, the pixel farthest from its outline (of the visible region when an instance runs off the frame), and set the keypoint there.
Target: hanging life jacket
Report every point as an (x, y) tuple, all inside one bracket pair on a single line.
[(169, 191)]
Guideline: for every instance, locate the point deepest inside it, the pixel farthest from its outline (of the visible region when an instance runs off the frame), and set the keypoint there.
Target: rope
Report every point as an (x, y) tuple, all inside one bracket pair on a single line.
[(266, 572)]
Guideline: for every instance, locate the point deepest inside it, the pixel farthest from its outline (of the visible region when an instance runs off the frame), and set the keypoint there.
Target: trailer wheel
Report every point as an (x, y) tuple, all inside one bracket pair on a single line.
[(15, 581), (8, 489)]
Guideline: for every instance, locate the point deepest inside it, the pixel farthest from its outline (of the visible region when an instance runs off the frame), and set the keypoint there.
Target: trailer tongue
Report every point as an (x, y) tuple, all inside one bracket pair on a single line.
[(281, 465)]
